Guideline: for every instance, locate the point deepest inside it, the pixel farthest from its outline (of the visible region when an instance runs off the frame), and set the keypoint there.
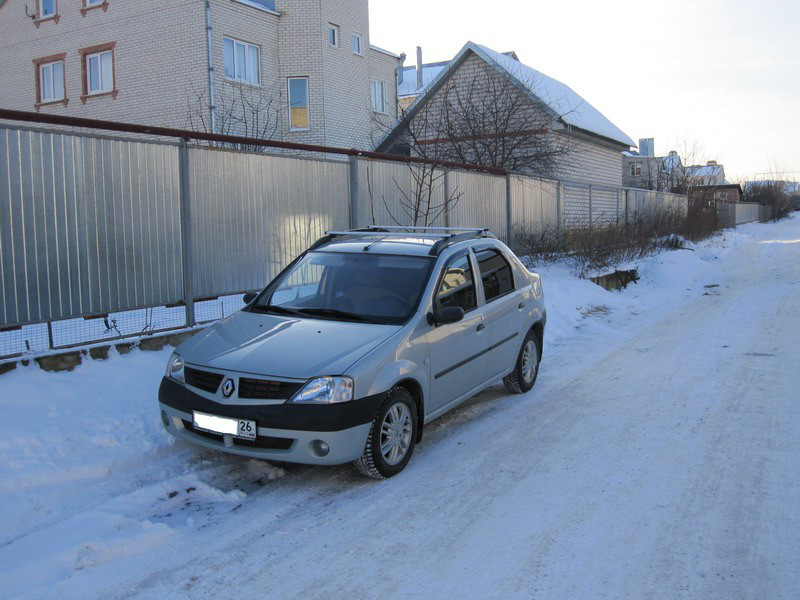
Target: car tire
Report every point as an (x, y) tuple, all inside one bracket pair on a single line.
[(392, 437), (526, 369)]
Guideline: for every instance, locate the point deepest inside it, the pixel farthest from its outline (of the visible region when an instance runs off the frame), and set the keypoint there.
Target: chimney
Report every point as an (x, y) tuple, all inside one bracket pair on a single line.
[(711, 163), (646, 147), (400, 68), (419, 67)]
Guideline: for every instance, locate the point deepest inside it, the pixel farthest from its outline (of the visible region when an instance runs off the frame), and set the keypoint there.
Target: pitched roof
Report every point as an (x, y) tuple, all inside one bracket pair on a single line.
[(408, 87), (573, 110), (705, 170)]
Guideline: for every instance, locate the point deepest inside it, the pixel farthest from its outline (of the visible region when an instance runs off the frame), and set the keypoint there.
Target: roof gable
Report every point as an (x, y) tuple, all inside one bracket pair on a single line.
[(555, 96)]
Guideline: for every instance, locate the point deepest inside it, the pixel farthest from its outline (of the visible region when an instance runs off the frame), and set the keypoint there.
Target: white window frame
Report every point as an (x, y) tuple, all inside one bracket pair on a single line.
[(103, 87), (308, 102), (335, 30), (382, 107), (42, 15), (246, 68), (360, 38), (636, 169), (43, 69)]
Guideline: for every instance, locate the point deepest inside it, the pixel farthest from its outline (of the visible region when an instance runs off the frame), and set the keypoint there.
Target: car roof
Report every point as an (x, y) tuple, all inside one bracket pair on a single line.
[(404, 246)]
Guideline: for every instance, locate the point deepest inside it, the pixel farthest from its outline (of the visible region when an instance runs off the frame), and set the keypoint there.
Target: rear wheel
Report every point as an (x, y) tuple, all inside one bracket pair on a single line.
[(522, 378), (392, 437)]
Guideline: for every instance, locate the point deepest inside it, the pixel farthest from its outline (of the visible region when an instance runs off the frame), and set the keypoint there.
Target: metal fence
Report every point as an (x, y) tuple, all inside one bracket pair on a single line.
[(104, 238)]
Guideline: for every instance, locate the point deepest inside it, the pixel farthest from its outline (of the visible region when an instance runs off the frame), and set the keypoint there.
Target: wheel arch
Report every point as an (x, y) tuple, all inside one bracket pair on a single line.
[(413, 387), (538, 329)]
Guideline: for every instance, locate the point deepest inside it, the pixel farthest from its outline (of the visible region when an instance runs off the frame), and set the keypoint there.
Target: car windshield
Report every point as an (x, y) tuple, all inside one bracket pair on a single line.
[(367, 288)]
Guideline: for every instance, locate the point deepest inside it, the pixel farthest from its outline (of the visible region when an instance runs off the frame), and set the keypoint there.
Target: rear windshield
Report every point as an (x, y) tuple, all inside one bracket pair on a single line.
[(370, 288)]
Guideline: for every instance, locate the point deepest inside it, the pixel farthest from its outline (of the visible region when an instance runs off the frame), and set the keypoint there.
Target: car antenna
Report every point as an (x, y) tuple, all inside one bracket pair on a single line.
[(370, 245)]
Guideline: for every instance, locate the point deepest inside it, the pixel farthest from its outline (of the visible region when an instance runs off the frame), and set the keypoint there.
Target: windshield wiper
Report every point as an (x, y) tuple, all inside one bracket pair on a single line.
[(332, 312), (278, 310)]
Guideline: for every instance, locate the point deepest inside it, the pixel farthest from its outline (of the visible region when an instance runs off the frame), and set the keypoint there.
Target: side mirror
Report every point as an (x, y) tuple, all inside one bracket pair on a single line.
[(445, 316), (249, 297)]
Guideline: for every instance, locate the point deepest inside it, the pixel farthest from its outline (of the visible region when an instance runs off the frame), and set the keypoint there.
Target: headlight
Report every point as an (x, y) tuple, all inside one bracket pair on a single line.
[(326, 390), (175, 368)]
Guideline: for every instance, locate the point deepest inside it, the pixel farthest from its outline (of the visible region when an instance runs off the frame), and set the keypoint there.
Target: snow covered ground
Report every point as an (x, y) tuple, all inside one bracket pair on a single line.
[(658, 456)]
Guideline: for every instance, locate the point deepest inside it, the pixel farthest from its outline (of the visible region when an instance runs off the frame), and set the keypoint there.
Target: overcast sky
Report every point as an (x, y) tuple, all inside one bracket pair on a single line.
[(725, 75)]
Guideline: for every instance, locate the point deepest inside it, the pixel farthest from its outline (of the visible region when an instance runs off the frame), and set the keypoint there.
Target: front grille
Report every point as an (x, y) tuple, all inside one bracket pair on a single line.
[(267, 443), (264, 389), (203, 380)]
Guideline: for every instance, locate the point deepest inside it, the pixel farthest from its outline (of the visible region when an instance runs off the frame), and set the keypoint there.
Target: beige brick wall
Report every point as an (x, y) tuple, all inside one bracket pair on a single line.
[(161, 67)]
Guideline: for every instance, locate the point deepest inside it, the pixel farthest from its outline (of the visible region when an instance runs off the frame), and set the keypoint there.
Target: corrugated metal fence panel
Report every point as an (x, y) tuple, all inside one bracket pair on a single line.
[(391, 193), (88, 225), (604, 206), (252, 214), (576, 205), (481, 201), (534, 202), (746, 213)]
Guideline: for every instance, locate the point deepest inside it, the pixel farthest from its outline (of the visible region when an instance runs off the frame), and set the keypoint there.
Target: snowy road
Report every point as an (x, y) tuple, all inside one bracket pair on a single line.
[(658, 456)]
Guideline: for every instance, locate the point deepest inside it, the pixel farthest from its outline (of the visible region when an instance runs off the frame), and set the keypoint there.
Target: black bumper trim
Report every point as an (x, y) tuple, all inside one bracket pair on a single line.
[(297, 417)]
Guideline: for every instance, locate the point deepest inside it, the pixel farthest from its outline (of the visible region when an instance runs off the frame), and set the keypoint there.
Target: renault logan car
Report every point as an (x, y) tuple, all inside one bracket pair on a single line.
[(357, 345)]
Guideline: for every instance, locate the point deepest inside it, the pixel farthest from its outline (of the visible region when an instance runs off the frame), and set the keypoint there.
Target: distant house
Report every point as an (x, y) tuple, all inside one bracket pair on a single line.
[(642, 169), (728, 192), (596, 144), (412, 81), (711, 173)]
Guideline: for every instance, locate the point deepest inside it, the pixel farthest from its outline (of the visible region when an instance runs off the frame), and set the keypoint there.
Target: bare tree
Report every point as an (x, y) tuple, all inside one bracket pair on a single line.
[(422, 202), (239, 110)]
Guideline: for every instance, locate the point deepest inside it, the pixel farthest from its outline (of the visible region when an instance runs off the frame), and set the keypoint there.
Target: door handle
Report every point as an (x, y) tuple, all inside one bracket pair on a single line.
[(521, 305), (481, 327)]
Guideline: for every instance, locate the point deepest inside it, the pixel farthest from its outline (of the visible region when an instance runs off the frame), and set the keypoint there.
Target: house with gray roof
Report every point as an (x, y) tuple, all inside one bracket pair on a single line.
[(644, 170), (595, 142)]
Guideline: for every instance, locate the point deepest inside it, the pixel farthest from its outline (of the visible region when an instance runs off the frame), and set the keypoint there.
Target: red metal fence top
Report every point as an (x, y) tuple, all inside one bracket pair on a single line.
[(185, 134)]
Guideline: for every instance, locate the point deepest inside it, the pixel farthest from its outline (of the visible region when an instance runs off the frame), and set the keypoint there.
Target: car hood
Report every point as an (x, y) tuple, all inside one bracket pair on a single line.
[(282, 346)]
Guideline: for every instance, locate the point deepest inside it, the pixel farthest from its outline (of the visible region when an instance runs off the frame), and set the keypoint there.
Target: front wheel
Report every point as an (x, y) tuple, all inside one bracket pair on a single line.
[(522, 378), (392, 437)]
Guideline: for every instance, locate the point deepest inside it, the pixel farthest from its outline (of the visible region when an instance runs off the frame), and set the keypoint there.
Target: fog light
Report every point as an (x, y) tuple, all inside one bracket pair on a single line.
[(320, 448), (165, 419)]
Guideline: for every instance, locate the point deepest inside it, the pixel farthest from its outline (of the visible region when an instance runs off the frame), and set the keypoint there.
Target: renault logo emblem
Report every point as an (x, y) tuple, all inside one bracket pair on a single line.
[(228, 388)]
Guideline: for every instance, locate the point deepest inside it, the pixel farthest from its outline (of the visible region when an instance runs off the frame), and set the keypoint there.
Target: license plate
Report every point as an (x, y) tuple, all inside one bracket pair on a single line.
[(241, 428)]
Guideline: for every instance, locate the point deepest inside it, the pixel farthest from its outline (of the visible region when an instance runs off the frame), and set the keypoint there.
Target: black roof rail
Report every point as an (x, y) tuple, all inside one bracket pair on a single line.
[(447, 236), (455, 238)]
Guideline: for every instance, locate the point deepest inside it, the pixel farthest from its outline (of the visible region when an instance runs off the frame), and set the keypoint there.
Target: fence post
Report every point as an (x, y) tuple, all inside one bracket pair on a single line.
[(447, 198), (353, 160), (509, 216), (591, 224), (558, 207), (619, 193), (186, 230)]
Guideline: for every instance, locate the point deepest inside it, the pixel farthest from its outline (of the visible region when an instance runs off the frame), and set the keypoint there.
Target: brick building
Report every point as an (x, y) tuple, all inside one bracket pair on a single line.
[(305, 68), (596, 144)]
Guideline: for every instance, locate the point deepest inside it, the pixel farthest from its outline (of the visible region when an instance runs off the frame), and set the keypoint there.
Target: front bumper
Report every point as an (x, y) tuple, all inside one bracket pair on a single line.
[(285, 431)]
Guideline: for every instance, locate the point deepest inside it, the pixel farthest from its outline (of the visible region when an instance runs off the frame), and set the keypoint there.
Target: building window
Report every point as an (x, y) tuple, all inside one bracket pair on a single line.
[(298, 103), (636, 169), (45, 11), (379, 96), (358, 47), (90, 4), (51, 82), (242, 62), (98, 71), (333, 35)]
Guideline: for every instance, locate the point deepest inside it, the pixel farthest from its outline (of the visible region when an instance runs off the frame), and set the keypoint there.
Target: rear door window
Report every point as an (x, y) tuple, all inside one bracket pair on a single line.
[(496, 274)]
